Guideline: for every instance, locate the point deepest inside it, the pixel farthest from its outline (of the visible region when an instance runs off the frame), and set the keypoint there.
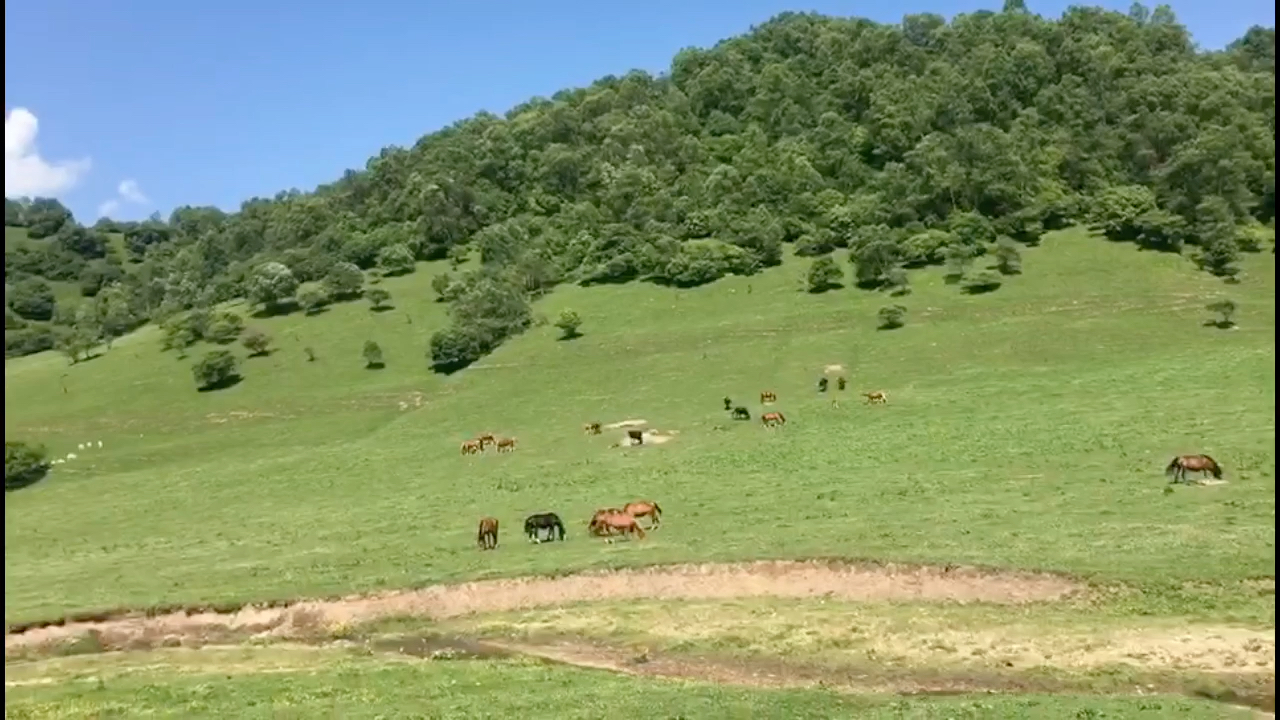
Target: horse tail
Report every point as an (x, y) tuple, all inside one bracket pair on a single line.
[(657, 509), (1173, 465), (1214, 468)]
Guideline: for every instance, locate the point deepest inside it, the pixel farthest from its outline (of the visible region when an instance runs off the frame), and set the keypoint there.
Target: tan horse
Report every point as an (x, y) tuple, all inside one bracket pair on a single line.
[(606, 524), (644, 508), (488, 535), (486, 439), (770, 419), (594, 527), (768, 396), (471, 447), (876, 397), (507, 444), (592, 428)]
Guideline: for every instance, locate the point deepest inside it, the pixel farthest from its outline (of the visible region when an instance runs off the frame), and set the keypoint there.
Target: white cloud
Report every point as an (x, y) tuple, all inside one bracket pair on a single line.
[(130, 191), (25, 172)]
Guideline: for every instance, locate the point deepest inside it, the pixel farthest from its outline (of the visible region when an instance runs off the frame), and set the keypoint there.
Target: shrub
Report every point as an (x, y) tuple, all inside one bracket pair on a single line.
[(569, 322), (984, 282), (313, 299), (217, 369), (373, 355), (395, 260), (1224, 309), (824, 275), (1008, 259), (378, 297), (257, 342), (343, 281), (224, 328), (272, 285), (892, 317)]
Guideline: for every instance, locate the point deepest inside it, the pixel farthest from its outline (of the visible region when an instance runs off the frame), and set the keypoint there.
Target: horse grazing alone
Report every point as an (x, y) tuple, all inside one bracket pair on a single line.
[(728, 404), (592, 428), (471, 447), (1181, 465), (606, 522), (488, 536), (644, 508), (773, 418), (767, 397), (741, 413), (876, 397), (535, 524), (506, 444)]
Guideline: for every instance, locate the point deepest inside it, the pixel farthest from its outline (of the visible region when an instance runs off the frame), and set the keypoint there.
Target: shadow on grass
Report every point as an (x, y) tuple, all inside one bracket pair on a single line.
[(223, 384), (25, 479)]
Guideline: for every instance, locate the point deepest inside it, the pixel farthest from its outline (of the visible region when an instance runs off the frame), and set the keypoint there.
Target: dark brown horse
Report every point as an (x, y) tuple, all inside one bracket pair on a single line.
[(644, 508), (841, 382), (1181, 465), (607, 524), (486, 439), (771, 419), (471, 447), (592, 428), (507, 444), (635, 437), (488, 536), (741, 413), (768, 396)]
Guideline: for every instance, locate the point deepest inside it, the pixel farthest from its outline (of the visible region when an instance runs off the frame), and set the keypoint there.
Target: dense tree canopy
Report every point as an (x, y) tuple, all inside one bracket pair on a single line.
[(910, 144)]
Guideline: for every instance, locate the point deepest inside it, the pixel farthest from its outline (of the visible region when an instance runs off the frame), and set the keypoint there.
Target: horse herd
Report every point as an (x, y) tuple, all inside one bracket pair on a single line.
[(605, 523)]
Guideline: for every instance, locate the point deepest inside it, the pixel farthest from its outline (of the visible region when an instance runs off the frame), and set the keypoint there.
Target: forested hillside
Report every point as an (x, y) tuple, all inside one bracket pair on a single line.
[(912, 144)]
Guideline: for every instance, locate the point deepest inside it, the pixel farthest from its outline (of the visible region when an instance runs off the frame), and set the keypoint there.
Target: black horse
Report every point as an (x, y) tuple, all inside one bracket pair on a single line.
[(822, 385), (728, 404), (741, 413), (535, 524), (841, 382)]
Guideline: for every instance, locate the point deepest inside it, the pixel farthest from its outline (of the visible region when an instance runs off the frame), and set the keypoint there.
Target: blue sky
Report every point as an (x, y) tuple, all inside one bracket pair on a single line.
[(149, 105)]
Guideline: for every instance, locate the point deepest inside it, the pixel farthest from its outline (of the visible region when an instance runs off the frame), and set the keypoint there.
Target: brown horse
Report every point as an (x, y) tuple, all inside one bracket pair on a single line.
[(771, 419), (471, 447), (592, 428), (1181, 465), (488, 536), (841, 382), (605, 524), (594, 527), (768, 396), (506, 444), (644, 508), (876, 397), (485, 439)]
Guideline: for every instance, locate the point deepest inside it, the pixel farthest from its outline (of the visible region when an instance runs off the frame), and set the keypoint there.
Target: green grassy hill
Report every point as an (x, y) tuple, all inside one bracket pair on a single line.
[(1026, 427)]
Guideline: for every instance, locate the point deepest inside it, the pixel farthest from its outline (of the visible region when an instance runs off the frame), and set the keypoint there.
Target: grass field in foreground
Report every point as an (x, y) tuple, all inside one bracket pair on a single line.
[(1027, 427), (282, 682)]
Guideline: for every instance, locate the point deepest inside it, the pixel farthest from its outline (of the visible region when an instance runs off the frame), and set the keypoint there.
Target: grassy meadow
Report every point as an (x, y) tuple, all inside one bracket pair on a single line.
[(1027, 428)]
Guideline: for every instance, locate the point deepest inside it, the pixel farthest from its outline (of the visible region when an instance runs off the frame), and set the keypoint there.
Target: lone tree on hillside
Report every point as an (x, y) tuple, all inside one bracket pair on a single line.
[(378, 298), (1008, 259), (257, 343), (892, 317), (824, 275), (1224, 309), (216, 370), (569, 322), (373, 356), (343, 281)]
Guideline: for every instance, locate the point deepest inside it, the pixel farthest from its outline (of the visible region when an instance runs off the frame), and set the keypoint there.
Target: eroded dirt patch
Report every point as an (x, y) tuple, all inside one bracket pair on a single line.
[(703, 581)]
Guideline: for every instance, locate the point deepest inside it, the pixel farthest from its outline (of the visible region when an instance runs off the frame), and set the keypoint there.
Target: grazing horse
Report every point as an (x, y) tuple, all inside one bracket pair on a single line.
[(771, 419), (741, 413), (876, 397), (594, 527), (767, 397), (822, 384), (605, 524), (506, 444), (644, 508), (471, 447), (592, 428), (728, 404), (535, 524), (488, 536), (635, 437), (841, 382), (485, 439), (1203, 464)]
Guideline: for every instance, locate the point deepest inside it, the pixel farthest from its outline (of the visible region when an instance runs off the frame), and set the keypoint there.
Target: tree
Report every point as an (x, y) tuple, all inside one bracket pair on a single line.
[(24, 464), (892, 317), (223, 327), (897, 282), (313, 299), (1224, 309), (45, 216), (959, 257), (115, 316), (569, 322), (378, 297), (873, 262), (79, 340), (33, 299), (443, 284), (216, 370), (824, 275), (395, 260), (1008, 259), (343, 281), (272, 285), (983, 282), (257, 342), (373, 355)]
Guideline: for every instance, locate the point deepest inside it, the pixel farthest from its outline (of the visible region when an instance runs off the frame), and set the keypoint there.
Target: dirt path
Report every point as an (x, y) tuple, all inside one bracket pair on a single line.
[(706, 581)]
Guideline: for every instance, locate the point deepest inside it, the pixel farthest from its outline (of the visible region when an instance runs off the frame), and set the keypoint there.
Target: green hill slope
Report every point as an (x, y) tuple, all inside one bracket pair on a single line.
[(1026, 427)]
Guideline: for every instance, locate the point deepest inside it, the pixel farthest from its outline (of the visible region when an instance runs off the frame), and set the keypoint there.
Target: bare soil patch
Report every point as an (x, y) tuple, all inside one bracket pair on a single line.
[(836, 580)]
